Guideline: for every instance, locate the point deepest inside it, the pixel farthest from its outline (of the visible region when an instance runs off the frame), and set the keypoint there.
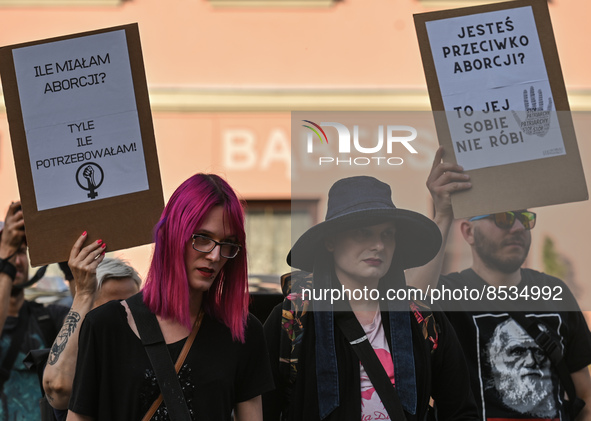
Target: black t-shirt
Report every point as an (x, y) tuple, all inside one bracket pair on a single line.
[(114, 379), (512, 378)]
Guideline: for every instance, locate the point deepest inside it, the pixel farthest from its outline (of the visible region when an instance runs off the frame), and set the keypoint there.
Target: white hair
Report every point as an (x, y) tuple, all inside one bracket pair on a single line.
[(115, 268)]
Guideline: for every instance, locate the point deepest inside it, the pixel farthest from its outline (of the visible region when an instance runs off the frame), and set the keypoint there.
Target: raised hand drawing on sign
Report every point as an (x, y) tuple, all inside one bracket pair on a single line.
[(537, 120)]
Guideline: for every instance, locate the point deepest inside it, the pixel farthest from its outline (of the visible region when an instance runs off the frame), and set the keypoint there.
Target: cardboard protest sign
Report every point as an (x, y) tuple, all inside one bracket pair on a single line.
[(83, 140), (500, 105)]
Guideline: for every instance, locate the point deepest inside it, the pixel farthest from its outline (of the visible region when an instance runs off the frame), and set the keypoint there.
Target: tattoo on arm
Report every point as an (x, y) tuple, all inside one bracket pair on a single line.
[(61, 341)]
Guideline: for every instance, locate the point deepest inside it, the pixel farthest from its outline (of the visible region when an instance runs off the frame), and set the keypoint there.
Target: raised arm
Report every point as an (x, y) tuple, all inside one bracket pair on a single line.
[(61, 364), (444, 180), (11, 242)]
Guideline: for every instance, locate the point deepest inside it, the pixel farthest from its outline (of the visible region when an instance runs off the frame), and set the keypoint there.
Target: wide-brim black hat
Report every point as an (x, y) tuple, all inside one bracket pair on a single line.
[(364, 201)]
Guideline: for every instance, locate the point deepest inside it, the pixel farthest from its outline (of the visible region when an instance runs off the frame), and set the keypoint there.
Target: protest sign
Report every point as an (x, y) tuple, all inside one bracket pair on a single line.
[(83, 140), (500, 105)]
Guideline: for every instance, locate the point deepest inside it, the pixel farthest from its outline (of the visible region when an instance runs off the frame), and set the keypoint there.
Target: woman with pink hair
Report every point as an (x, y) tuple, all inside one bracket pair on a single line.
[(197, 282)]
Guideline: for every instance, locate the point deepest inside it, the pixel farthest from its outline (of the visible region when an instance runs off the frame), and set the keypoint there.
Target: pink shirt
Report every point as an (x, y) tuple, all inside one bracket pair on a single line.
[(371, 404)]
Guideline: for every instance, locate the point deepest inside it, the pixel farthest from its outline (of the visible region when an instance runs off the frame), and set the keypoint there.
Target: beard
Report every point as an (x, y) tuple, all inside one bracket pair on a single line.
[(22, 276), (529, 395), (487, 251)]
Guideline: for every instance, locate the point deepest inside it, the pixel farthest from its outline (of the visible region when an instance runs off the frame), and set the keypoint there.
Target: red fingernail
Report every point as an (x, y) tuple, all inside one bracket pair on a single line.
[(99, 241), (84, 233), (103, 253), (103, 246)]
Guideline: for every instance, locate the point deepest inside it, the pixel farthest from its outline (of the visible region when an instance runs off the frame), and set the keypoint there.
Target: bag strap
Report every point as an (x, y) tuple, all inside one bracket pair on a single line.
[(166, 373), (15, 344), (36, 278), (552, 350), (356, 336), (179, 363)]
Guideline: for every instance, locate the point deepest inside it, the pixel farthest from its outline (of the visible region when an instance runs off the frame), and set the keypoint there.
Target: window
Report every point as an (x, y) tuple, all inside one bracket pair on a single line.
[(269, 227)]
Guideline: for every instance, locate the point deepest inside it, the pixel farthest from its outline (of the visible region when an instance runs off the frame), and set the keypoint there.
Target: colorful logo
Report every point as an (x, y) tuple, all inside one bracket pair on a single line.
[(316, 131)]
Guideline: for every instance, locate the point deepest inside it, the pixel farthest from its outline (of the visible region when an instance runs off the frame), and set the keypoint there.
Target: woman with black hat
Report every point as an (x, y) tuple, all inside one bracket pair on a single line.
[(336, 356)]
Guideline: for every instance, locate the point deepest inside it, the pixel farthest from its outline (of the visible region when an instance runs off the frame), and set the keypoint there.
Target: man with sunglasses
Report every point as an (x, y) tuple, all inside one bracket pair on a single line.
[(500, 244), (498, 292)]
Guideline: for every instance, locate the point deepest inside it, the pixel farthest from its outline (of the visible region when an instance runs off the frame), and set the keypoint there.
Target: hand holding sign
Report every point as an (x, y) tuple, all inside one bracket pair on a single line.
[(537, 121), (492, 145)]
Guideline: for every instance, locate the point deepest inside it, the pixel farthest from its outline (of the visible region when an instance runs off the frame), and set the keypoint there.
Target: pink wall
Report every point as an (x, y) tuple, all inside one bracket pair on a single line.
[(356, 45)]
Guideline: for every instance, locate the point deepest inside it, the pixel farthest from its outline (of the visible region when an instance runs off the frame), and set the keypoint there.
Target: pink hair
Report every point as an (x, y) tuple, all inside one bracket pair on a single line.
[(166, 292)]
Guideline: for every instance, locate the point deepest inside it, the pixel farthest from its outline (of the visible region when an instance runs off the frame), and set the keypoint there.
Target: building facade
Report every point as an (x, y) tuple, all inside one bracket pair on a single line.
[(225, 75)]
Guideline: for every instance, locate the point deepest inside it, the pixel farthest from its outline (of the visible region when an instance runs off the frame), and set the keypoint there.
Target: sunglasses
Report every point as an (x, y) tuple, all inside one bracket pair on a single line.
[(505, 220)]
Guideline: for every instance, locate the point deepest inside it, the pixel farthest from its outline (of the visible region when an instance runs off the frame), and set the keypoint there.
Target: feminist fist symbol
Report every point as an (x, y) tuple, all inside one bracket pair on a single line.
[(90, 173), (537, 121)]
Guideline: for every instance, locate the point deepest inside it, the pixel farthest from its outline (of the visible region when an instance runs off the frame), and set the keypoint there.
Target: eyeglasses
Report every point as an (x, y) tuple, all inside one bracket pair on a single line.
[(505, 220), (205, 244)]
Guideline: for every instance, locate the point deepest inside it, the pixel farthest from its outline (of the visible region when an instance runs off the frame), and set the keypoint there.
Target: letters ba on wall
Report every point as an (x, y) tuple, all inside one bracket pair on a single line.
[(500, 105), (83, 140)]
